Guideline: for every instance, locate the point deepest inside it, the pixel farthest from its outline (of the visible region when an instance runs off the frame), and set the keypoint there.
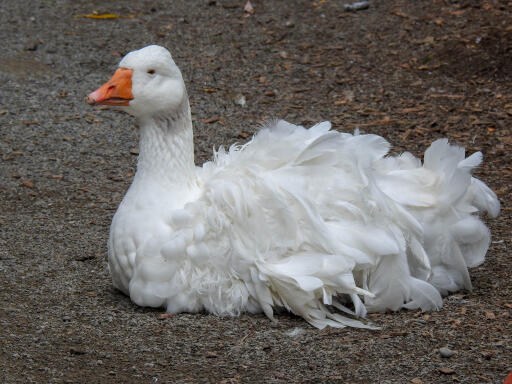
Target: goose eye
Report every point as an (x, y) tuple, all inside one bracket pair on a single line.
[(151, 71)]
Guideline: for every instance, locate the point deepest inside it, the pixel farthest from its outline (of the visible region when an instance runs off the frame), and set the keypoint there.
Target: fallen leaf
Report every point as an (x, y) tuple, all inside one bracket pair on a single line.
[(164, 316), (27, 184), (416, 380), (413, 109), (490, 315), (447, 96), (401, 14), (100, 16), (446, 371), (248, 8), (211, 120), (209, 90), (243, 135), (385, 120), (103, 16)]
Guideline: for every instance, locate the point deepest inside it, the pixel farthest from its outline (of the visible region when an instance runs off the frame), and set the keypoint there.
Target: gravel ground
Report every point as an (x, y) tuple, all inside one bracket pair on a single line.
[(410, 71)]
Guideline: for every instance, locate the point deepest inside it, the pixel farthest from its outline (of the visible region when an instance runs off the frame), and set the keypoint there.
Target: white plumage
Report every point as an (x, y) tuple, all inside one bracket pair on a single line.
[(316, 221)]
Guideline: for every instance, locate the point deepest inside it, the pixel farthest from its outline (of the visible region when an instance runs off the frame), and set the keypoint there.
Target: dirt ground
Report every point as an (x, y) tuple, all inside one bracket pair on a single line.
[(411, 71)]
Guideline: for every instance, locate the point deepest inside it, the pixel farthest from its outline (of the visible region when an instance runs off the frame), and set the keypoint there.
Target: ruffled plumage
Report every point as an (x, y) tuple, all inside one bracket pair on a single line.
[(306, 218)]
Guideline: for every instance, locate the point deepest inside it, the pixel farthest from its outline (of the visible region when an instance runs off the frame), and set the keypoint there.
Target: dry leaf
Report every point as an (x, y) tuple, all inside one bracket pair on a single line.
[(446, 371), (414, 109), (401, 14), (101, 16), (211, 120), (249, 8), (164, 316), (27, 184), (416, 380), (490, 315)]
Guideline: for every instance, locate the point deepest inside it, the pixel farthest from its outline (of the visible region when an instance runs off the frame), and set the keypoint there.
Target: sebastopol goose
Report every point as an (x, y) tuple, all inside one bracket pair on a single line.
[(322, 223)]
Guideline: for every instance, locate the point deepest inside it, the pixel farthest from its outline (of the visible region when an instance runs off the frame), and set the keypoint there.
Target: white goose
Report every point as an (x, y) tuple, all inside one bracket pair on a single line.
[(312, 220)]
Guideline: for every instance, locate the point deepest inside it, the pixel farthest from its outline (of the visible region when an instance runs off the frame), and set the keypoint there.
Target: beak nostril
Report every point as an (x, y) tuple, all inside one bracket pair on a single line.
[(111, 88)]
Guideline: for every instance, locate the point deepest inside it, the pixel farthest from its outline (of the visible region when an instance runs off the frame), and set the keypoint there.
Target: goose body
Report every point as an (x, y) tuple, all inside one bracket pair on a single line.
[(322, 223)]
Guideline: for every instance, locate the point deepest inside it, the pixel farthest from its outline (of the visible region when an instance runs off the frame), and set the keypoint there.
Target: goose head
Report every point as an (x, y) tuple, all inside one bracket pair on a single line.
[(147, 83)]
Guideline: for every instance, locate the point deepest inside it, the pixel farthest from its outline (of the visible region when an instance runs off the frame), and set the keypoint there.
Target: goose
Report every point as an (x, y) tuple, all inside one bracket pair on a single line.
[(317, 222)]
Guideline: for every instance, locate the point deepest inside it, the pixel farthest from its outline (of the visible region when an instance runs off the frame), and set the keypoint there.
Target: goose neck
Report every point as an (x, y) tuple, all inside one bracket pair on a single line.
[(166, 148)]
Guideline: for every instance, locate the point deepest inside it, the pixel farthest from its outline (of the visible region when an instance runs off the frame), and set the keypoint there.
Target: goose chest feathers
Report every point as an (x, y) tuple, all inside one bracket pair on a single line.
[(322, 223)]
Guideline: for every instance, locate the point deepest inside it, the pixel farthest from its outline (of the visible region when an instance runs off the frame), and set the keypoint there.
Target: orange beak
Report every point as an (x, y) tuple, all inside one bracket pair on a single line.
[(116, 91)]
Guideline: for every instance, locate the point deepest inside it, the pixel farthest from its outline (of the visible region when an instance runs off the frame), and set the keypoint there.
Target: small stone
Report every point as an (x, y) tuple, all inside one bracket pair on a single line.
[(240, 100), (360, 5), (66, 318), (295, 332), (149, 365), (289, 24), (446, 352), (76, 351), (32, 45)]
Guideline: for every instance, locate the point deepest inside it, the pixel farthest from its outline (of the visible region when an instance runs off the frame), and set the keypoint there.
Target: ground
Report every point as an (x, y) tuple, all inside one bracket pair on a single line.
[(409, 71)]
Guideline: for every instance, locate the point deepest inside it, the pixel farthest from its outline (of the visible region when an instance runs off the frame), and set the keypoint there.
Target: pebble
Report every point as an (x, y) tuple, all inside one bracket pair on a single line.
[(446, 352), (360, 5), (31, 45), (295, 332), (240, 100)]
